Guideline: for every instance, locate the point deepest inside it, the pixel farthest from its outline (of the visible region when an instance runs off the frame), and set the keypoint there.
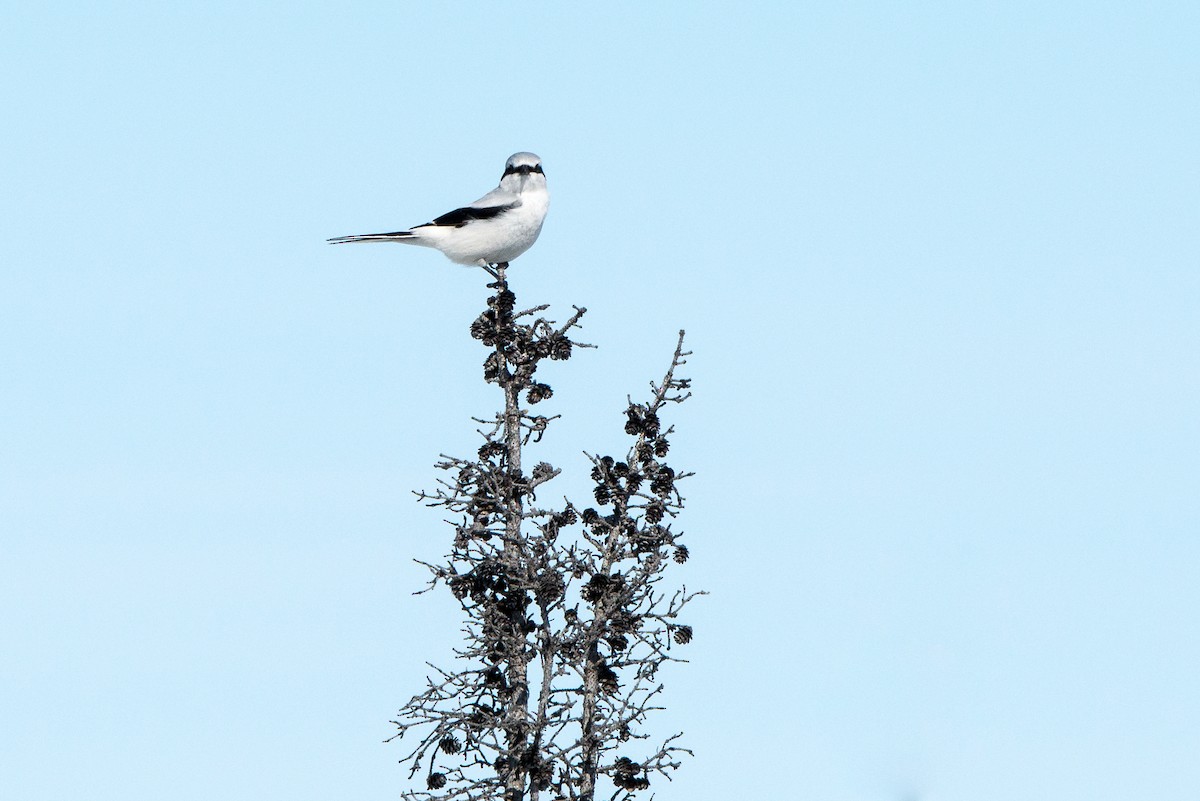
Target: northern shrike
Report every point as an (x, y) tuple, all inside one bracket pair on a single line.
[(495, 229)]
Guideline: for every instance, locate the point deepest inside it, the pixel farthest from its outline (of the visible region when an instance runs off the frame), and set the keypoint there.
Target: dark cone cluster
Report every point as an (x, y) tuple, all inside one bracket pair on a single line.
[(560, 349), (610, 683), (549, 587), (629, 775), (640, 420), (663, 482), (538, 392), (518, 345), (603, 587), (617, 642)]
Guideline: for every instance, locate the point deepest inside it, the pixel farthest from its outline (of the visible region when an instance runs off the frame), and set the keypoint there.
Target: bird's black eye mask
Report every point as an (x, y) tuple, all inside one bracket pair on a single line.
[(524, 169)]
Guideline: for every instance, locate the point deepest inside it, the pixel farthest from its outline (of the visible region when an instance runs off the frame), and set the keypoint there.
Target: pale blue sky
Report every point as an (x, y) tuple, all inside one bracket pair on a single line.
[(940, 268)]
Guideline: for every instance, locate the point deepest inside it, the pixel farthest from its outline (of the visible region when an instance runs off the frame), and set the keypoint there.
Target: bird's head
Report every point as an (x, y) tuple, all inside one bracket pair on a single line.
[(523, 170)]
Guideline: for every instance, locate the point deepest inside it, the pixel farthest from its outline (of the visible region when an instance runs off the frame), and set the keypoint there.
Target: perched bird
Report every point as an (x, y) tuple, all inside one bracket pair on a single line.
[(495, 229)]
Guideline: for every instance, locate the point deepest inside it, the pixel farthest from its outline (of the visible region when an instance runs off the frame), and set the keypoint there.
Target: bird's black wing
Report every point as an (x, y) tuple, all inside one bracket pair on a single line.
[(460, 217)]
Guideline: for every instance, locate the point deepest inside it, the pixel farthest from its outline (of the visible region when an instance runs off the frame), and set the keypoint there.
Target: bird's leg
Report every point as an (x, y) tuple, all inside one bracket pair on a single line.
[(492, 272)]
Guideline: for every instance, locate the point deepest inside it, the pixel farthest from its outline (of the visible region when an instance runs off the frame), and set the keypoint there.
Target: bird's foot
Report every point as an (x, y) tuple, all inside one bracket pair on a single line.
[(496, 271)]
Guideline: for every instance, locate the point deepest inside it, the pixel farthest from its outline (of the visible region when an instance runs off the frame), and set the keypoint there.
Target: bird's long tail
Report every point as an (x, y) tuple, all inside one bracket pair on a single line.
[(395, 236)]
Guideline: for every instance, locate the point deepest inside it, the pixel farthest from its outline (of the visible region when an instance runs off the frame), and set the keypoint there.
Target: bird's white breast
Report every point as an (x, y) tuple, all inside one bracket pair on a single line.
[(501, 238)]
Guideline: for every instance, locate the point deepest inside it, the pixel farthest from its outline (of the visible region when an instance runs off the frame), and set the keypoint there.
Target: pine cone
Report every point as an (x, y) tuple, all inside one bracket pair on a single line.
[(491, 367), (663, 483), (538, 393), (560, 349), (489, 449), (617, 642), (624, 622), (633, 423), (549, 587), (503, 301), (608, 680), (650, 425), (483, 327), (596, 587)]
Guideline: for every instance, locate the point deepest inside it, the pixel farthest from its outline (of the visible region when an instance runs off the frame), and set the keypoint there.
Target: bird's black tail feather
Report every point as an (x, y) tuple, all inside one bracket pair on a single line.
[(395, 236)]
